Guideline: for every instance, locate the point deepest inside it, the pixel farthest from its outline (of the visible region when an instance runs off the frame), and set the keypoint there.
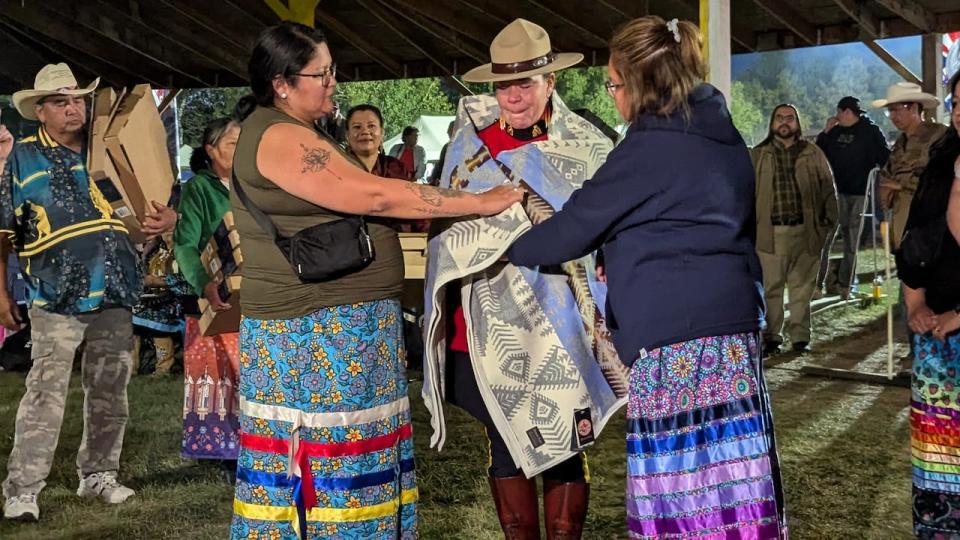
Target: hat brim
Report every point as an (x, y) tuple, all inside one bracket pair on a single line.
[(928, 101), (25, 101), (484, 73)]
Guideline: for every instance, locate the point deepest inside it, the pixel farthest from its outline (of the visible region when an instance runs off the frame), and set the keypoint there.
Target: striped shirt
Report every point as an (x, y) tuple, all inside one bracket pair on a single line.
[(76, 257), (787, 202)]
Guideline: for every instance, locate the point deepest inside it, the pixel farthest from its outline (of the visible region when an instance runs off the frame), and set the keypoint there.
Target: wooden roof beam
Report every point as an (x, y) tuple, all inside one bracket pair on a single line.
[(740, 35), (912, 12), (628, 9), (377, 10), (892, 61), (788, 16), (866, 19), (476, 29), (59, 30), (379, 56), (570, 19), (240, 36), (148, 17), (439, 31)]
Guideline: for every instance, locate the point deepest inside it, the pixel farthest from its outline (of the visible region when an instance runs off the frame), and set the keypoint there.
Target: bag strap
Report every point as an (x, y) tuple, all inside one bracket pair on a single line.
[(265, 223)]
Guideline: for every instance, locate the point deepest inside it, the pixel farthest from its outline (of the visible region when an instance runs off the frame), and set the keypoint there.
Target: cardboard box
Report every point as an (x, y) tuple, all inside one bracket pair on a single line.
[(212, 322), (100, 167), (136, 143), (414, 246)]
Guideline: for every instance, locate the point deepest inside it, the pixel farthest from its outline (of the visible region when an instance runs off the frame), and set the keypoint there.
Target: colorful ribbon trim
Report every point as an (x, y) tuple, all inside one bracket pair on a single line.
[(325, 484), (333, 515), (337, 449)]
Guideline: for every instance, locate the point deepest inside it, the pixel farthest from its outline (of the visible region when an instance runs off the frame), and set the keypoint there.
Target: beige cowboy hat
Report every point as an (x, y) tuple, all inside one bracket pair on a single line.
[(521, 50), (52, 80), (904, 92)]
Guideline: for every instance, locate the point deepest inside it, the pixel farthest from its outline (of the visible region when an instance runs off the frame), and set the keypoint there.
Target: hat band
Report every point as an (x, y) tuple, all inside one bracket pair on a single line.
[(526, 65)]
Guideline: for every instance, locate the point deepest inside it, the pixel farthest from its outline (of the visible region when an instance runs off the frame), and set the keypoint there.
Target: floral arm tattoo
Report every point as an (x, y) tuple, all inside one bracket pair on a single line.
[(433, 197), (315, 160)]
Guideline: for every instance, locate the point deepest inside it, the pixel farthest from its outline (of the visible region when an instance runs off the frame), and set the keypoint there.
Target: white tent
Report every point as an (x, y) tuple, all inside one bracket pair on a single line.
[(433, 135)]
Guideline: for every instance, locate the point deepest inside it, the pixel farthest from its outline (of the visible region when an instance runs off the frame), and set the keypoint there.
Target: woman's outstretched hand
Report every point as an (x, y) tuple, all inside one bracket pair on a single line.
[(500, 198)]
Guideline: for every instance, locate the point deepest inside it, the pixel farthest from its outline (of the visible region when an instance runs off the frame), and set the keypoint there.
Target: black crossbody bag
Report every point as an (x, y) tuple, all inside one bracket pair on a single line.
[(322, 252)]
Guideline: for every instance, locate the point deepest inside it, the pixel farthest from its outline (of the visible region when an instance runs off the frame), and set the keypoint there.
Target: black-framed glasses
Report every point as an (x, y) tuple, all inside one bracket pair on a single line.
[(895, 107), (612, 87), (324, 76)]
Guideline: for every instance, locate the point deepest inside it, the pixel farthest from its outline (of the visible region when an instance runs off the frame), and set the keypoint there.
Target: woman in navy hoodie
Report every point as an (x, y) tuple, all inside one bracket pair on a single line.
[(673, 212)]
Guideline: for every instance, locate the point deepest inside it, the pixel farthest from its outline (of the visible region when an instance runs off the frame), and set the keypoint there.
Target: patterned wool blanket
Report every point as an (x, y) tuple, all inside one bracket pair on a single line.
[(541, 352)]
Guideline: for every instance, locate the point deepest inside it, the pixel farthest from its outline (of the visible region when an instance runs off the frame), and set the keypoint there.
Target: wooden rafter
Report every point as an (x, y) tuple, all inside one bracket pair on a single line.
[(569, 20), (239, 38), (738, 34), (331, 23), (72, 36), (861, 14), (788, 16), (475, 28), (912, 12), (150, 19), (438, 31), (376, 9), (628, 9), (892, 61)]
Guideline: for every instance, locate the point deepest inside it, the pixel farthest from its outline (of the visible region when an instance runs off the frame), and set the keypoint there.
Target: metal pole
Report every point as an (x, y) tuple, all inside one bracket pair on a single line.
[(885, 233)]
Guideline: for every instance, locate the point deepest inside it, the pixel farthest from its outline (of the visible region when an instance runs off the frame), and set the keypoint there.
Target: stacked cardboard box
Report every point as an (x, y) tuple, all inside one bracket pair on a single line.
[(127, 154), (223, 260), (414, 246)]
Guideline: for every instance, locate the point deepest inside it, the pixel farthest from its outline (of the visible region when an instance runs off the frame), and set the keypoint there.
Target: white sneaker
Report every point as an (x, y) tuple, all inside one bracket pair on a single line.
[(22, 507), (105, 486)]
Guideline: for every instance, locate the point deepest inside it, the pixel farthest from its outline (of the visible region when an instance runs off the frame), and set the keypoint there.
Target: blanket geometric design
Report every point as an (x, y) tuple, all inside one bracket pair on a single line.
[(541, 352)]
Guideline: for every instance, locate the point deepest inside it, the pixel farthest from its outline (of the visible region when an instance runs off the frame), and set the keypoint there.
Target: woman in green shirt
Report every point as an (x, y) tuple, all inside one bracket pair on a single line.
[(211, 364)]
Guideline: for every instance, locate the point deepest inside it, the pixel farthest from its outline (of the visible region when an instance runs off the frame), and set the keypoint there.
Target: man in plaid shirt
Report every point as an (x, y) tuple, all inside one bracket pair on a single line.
[(796, 212)]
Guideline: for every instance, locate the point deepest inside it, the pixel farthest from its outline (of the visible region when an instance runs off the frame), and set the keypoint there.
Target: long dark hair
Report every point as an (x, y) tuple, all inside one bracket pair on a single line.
[(944, 152), (773, 115), (281, 51), (200, 159)]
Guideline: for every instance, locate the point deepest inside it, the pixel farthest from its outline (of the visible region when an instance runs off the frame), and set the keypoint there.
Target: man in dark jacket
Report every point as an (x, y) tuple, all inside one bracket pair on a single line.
[(854, 145)]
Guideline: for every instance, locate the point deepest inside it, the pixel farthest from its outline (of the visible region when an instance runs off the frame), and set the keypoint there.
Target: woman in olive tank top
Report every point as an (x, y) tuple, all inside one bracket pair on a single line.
[(326, 447)]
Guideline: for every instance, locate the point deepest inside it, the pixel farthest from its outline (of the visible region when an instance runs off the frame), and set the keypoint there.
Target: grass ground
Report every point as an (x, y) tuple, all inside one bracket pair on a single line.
[(844, 447)]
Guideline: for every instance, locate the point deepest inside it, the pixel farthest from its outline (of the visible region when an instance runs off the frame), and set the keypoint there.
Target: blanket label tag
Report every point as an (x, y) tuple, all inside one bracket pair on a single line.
[(583, 421), (642, 355), (536, 439)]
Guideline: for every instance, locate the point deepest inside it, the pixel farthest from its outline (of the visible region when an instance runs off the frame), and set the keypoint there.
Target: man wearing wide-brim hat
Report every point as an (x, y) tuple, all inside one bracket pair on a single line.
[(81, 270), (905, 104), (525, 385)]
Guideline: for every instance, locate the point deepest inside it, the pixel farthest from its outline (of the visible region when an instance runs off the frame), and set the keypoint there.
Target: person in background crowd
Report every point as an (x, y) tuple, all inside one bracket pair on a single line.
[(216, 359), (932, 294), (854, 145), (82, 288), (365, 142), (158, 316), (411, 154), (438, 167), (673, 211), (327, 444), (796, 212)]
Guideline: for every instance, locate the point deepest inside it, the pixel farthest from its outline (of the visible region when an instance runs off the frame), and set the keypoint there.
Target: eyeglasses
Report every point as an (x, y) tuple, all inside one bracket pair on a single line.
[(896, 107), (612, 87), (324, 76)]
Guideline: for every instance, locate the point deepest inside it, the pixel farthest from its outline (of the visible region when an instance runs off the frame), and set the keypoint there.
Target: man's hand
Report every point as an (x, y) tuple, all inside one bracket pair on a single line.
[(154, 282), (831, 123), (212, 295), (6, 142), (601, 273), (888, 192), (161, 220), (9, 313)]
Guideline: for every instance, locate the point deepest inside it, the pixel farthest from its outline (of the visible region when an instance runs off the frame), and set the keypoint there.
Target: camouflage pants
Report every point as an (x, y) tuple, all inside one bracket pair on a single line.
[(105, 370)]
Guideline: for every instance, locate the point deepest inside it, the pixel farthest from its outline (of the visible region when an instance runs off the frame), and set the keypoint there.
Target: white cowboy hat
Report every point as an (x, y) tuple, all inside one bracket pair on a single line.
[(52, 80), (521, 50), (904, 92)]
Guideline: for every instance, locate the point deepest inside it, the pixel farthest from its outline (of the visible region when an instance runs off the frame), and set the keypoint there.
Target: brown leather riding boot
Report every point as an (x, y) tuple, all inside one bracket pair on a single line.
[(565, 508), (517, 508)]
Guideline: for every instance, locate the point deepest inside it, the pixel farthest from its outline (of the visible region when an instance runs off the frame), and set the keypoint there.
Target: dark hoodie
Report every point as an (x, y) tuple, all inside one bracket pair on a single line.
[(673, 210), (852, 152)]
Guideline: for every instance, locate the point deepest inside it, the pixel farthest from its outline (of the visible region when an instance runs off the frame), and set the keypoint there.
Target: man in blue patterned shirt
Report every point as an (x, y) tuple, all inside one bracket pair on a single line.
[(83, 278)]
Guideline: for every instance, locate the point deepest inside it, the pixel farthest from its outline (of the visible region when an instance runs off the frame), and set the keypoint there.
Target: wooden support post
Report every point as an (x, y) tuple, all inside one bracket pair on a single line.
[(932, 74), (715, 25)]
